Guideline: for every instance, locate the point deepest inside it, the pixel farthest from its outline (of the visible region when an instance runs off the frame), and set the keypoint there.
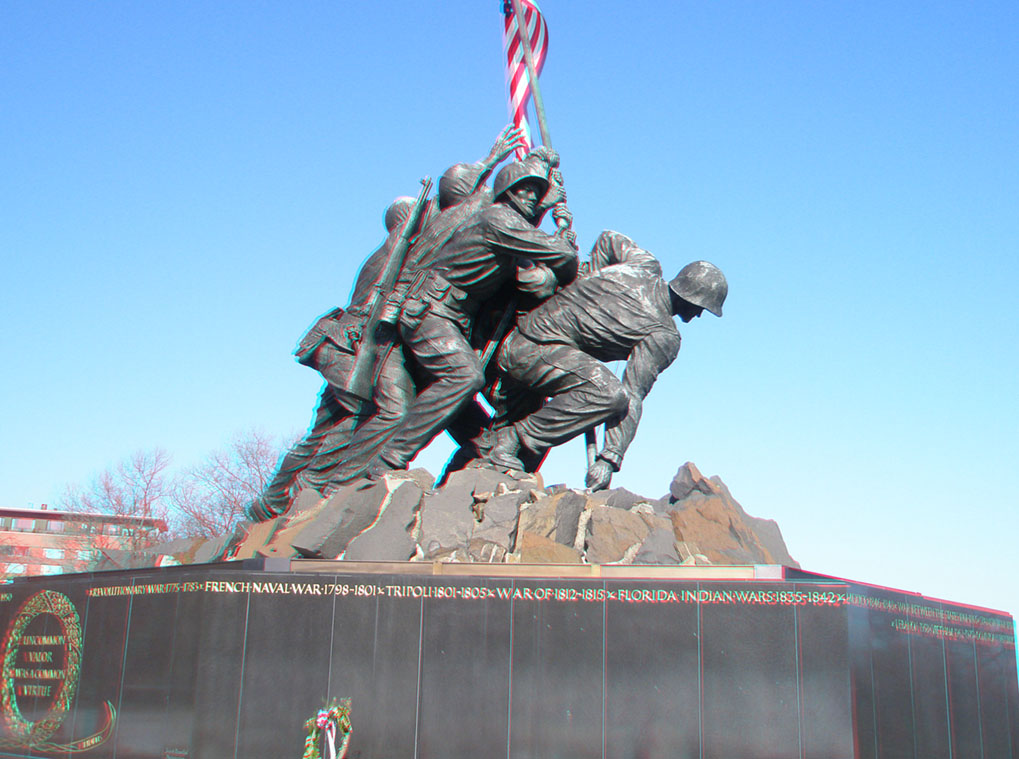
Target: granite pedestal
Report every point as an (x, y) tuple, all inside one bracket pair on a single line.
[(456, 660)]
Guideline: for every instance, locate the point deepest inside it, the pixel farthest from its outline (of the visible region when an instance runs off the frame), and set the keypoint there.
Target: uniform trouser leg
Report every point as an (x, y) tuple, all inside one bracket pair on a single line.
[(442, 351), (332, 418), (345, 433), (469, 429), (521, 402), (468, 426), (584, 391), (392, 397)]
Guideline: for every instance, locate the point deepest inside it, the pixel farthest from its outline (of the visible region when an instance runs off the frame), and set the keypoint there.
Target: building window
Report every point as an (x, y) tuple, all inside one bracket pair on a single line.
[(50, 569), (24, 524), (53, 553), (15, 569)]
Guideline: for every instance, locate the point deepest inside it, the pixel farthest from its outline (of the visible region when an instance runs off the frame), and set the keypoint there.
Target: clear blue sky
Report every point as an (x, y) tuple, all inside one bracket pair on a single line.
[(187, 185)]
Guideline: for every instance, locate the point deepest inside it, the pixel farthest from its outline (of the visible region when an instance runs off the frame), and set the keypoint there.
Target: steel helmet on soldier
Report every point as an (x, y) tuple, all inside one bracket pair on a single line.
[(456, 183), (702, 284), (514, 173), (398, 212)]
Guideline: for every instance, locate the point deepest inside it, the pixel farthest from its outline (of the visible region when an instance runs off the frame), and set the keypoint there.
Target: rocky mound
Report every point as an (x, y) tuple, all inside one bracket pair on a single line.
[(481, 515)]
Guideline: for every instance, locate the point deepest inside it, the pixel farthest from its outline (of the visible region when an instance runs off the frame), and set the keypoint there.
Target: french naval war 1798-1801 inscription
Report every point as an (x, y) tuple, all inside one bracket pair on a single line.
[(584, 660)]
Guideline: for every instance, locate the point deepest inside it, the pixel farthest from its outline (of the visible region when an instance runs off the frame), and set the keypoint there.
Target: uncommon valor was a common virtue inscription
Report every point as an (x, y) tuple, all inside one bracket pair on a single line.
[(441, 660)]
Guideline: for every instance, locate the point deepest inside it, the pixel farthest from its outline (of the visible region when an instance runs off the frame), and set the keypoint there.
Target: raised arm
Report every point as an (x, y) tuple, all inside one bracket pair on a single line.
[(509, 139), (512, 235)]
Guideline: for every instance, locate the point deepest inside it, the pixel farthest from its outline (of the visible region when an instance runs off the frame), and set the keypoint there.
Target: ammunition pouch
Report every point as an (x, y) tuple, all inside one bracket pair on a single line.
[(342, 329), (433, 293)]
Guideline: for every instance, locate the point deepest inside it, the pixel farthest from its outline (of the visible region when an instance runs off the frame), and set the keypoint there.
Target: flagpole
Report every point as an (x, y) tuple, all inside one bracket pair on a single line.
[(539, 105), (590, 439)]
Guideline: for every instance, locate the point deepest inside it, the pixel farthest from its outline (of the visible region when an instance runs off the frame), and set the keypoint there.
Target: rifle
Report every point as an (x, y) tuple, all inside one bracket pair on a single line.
[(361, 380), (508, 314)]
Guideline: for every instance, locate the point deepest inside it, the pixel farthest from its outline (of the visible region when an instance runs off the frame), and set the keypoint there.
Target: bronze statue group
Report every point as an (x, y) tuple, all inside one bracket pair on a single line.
[(469, 295)]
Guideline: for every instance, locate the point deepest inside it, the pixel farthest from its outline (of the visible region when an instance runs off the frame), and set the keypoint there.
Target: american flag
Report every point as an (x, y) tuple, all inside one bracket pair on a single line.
[(516, 65)]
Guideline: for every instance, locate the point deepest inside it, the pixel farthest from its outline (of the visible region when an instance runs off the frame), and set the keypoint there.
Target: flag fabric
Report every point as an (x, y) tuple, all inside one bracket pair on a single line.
[(516, 65)]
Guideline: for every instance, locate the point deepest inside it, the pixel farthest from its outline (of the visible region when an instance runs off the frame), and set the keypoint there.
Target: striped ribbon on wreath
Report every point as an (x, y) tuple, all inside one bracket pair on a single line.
[(328, 725)]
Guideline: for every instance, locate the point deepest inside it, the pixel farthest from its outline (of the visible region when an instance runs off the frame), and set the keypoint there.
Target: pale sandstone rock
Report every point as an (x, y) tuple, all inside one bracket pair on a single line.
[(538, 549), (389, 538), (611, 533)]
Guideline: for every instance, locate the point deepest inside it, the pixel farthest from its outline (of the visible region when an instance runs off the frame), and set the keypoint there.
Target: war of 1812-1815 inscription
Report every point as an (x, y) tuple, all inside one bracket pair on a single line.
[(469, 296)]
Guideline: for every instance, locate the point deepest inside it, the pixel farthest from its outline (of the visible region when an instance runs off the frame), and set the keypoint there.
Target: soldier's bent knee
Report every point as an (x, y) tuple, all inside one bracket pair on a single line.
[(467, 379), (477, 381)]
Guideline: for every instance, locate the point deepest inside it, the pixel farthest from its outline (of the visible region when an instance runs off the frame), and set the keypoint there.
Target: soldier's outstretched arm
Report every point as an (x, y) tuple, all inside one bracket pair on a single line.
[(599, 475), (647, 360), (509, 139), (536, 279), (512, 235)]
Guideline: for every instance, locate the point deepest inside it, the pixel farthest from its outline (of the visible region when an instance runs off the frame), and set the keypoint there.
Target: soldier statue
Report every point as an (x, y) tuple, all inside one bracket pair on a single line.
[(621, 310), (330, 346), (475, 265), (433, 304)]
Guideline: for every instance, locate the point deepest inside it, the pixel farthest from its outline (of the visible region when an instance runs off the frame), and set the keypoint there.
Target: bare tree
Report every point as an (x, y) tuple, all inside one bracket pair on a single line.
[(138, 486), (205, 500), (209, 499)]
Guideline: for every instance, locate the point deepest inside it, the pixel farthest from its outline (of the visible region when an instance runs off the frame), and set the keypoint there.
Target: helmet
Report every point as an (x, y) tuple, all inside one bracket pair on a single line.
[(702, 284), (398, 212), (456, 182), (514, 173)]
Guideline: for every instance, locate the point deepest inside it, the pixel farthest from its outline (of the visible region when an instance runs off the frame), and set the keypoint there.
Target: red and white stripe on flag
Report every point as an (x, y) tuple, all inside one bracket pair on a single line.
[(516, 65)]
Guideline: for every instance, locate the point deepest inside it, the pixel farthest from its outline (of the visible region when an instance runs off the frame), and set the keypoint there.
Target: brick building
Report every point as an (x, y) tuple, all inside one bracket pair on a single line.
[(45, 542)]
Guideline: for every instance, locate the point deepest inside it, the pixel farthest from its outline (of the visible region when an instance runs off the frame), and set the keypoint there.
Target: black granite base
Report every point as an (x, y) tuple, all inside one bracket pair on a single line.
[(230, 660)]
